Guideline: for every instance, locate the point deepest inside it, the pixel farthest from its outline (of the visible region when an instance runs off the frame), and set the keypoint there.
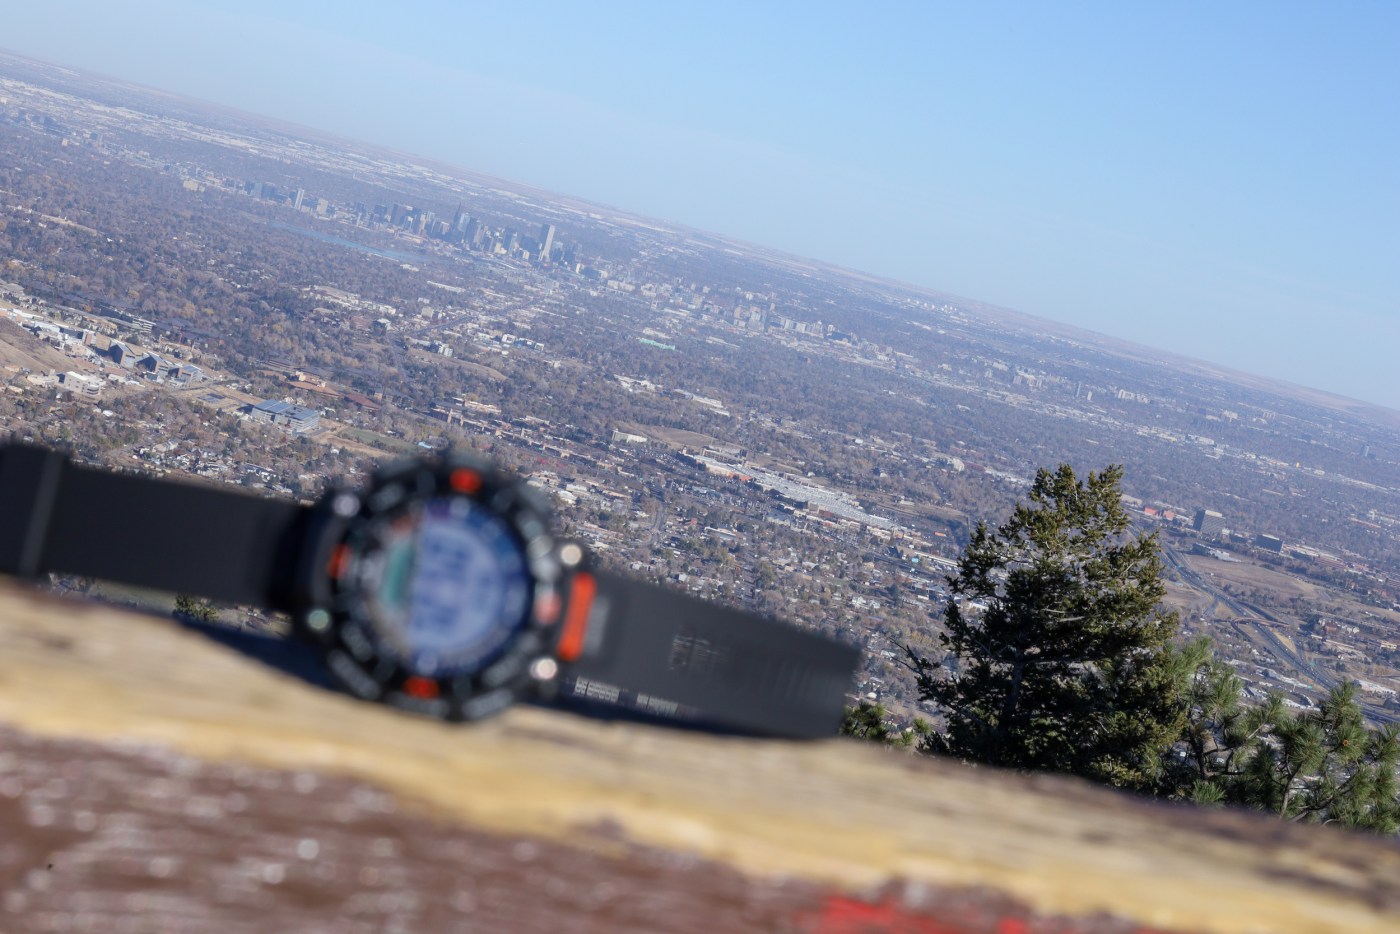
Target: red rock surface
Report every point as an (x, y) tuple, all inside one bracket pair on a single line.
[(104, 838), (156, 778)]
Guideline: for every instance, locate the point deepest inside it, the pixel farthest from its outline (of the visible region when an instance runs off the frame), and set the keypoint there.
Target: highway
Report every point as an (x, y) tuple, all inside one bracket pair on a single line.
[(1252, 618)]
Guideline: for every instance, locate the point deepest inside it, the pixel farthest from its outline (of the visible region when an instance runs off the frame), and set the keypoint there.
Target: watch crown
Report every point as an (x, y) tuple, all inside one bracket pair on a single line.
[(345, 505), (544, 668), (571, 554)]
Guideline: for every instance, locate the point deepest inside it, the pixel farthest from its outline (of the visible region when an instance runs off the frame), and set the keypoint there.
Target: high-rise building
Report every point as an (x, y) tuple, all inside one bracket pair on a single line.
[(1209, 523), (546, 241), (298, 198)]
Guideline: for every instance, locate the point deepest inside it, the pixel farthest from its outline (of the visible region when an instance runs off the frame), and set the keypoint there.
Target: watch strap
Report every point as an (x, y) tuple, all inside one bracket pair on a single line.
[(227, 545), (679, 655)]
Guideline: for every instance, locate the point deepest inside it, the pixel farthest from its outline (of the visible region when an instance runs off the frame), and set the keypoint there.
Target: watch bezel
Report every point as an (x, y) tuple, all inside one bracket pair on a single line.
[(362, 659)]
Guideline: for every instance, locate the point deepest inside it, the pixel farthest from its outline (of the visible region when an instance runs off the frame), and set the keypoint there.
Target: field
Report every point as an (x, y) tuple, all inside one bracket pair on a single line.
[(477, 369), (372, 442), (1275, 587), (671, 437)]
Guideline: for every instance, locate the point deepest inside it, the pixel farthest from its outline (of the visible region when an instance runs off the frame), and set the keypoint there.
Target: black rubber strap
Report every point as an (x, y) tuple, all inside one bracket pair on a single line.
[(670, 651), (222, 544)]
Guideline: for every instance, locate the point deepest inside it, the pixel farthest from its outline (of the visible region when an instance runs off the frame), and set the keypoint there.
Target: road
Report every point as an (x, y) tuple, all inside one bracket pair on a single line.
[(1253, 618)]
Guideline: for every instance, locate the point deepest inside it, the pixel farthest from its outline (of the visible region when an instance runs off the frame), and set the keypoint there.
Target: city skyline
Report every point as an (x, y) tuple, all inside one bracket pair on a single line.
[(1238, 211)]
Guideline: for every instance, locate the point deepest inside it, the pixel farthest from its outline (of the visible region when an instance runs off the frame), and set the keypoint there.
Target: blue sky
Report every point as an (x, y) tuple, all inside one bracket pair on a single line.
[(1219, 180)]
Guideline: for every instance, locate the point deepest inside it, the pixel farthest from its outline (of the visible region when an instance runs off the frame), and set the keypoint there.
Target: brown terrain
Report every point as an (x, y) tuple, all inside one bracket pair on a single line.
[(22, 350)]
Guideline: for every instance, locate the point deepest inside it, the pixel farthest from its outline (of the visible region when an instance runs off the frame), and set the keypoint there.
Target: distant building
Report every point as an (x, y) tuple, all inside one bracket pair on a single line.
[(80, 384), (1209, 523), (293, 417), (185, 373), (1269, 543), (298, 198), (132, 322), (546, 241), (121, 354), (153, 364), (1201, 548)]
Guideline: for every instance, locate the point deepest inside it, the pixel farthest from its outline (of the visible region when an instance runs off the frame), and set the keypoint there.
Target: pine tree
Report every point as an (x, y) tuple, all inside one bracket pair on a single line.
[(870, 722), (1321, 765), (1058, 654), (1220, 734)]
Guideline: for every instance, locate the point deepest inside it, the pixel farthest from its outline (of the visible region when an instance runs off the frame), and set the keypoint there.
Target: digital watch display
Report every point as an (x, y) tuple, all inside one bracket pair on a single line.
[(444, 583), (438, 587)]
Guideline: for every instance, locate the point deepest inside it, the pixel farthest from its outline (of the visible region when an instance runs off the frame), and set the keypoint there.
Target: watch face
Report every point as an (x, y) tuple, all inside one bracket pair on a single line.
[(445, 583), (438, 589)]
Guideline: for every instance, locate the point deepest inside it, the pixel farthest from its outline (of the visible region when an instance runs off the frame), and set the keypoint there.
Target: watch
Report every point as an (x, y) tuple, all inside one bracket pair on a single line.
[(438, 587)]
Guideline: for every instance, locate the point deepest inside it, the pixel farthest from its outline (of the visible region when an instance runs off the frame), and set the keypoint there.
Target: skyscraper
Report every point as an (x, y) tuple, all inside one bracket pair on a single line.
[(546, 241), (1209, 523)]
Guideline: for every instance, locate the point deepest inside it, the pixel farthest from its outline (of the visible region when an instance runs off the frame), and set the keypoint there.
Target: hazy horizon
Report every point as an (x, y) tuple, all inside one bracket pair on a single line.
[(1240, 211)]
